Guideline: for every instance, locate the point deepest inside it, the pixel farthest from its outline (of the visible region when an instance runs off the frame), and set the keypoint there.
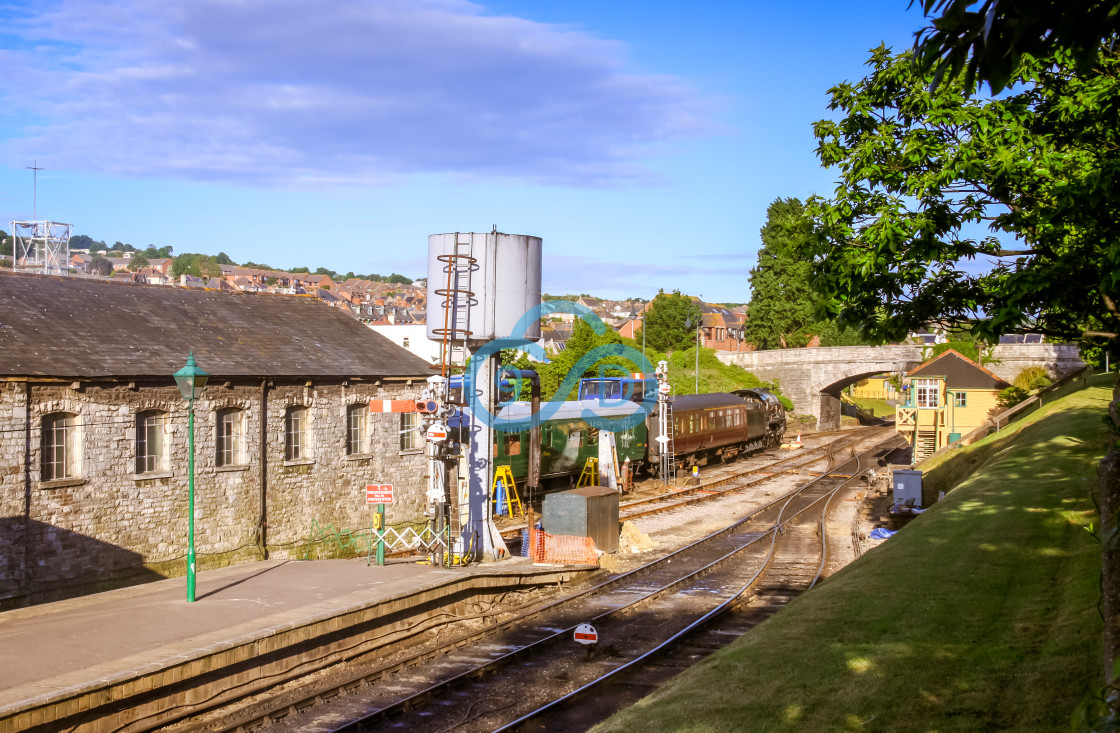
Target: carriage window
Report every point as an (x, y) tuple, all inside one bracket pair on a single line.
[(575, 437), (513, 444)]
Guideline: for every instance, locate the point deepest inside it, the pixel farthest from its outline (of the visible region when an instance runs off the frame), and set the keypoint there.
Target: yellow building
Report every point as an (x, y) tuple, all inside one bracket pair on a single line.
[(947, 397), (876, 388)]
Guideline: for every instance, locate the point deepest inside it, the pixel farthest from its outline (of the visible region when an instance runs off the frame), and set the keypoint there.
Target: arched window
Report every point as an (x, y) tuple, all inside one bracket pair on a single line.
[(61, 443), (229, 443), (295, 433), (151, 441), (357, 432)]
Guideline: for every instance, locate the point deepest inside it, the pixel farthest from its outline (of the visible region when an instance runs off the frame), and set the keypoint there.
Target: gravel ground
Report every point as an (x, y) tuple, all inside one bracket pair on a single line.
[(672, 530)]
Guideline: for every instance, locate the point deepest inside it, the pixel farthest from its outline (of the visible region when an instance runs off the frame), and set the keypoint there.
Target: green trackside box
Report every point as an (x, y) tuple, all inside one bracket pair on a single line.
[(588, 512)]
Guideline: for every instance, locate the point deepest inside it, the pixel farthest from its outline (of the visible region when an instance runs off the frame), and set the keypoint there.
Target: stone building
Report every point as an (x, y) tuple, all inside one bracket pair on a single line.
[(93, 432)]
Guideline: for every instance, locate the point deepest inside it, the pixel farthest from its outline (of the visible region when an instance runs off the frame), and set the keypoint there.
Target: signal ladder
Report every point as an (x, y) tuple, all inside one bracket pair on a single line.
[(458, 298)]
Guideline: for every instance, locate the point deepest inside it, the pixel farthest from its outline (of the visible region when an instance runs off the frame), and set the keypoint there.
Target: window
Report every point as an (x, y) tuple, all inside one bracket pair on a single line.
[(151, 443), (404, 342), (356, 421), (960, 399), (61, 447), (295, 433), (410, 430), (512, 444), (230, 438), (926, 392)]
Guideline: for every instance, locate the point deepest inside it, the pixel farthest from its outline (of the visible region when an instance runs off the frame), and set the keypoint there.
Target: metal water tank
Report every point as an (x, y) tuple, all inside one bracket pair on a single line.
[(502, 273)]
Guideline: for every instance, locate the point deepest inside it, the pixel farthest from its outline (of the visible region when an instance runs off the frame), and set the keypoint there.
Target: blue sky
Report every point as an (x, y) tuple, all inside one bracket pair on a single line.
[(642, 141)]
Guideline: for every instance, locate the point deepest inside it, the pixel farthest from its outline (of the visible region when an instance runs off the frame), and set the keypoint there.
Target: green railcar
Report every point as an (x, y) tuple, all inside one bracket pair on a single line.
[(567, 441)]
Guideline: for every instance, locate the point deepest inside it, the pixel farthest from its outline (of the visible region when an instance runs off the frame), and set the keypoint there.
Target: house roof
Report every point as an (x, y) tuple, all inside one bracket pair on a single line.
[(959, 372), (86, 328)]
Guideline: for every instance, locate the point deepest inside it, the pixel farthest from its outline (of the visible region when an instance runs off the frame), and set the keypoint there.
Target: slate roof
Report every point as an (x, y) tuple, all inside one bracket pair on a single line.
[(84, 328), (959, 371)]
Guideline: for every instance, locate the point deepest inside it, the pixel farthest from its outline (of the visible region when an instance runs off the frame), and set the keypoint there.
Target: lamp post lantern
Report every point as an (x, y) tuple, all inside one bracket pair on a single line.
[(190, 380)]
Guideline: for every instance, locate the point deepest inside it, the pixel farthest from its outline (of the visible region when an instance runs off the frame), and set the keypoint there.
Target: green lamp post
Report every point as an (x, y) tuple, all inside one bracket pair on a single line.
[(190, 380)]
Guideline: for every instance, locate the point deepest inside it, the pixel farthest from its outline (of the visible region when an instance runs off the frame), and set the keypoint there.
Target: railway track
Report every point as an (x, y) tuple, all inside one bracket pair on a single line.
[(736, 481), (753, 564)]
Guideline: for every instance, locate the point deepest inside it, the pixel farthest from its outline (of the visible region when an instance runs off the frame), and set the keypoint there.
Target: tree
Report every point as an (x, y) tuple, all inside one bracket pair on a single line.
[(921, 171), (195, 265), (98, 265), (138, 261), (5, 243), (223, 259), (923, 167), (151, 251), (401, 279), (664, 326), (988, 43), (782, 309), (209, 267)]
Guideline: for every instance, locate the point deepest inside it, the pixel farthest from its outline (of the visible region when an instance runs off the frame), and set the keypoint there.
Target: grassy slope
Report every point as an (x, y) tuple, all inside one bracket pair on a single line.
[(982, 614), (879, 408)]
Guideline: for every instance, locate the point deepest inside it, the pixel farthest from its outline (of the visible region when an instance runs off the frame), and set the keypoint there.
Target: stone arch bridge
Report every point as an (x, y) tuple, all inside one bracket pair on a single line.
[(813, 378)]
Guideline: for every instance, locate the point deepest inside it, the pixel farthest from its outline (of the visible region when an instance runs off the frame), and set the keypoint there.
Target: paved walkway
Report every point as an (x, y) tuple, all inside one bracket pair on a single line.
[(56, 646)]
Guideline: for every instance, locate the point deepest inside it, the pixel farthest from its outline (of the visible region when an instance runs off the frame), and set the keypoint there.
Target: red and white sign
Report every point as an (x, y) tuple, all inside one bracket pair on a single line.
[(586, 634), (392, 406), (379, 493), (437, 432)]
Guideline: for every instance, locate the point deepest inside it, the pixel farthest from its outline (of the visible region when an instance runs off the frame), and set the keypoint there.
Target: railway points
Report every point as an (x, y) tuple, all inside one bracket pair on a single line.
[(521, 646)]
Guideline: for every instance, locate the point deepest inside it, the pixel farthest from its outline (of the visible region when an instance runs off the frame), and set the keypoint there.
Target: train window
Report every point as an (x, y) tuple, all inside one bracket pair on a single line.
[(513, 444), (692, 423), (575, 437), (592, 436)]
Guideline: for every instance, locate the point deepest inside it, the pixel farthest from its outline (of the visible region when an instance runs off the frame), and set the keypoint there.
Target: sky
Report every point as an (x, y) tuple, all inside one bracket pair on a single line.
[(642, 141)]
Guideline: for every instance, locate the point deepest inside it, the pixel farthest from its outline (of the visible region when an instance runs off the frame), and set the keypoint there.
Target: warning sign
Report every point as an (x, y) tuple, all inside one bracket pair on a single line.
[(437, 432), (586, 634), (379, 493)]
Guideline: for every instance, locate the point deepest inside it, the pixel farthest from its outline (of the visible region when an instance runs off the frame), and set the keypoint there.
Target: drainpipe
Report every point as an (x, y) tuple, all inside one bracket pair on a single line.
[(23, 566), (262, 528)]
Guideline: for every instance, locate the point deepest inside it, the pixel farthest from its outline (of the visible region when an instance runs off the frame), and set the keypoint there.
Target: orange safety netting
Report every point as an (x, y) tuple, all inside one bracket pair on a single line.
[(561, 549)]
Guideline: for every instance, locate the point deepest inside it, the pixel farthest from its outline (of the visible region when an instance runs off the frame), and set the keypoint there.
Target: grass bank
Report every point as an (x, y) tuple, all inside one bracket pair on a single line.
[(878, 408), (981, 614)]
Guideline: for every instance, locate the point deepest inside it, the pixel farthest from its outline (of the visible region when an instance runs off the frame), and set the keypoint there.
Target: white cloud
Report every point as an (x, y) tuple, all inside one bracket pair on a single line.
[(291, 92)]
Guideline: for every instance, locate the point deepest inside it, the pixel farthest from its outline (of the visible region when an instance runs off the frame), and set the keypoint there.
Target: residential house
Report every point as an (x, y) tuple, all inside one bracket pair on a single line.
[(946, 398)]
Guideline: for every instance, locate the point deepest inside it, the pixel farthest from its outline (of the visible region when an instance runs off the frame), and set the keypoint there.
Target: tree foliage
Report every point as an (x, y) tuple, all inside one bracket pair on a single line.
[(781, 310), (901, 243), (5, 243), (195, 265), (138, 261), (988, 43), (670, 322), (98, 265)]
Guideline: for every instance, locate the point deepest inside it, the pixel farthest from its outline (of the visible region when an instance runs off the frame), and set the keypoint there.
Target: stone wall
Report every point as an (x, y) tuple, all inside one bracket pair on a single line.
[(111, 526)]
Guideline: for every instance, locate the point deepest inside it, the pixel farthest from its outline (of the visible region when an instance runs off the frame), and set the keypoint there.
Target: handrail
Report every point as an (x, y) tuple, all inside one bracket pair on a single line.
[(997, 422)]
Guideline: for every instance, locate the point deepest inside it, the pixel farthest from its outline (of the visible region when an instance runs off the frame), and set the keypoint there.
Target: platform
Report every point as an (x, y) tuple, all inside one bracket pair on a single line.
[(130, 658)]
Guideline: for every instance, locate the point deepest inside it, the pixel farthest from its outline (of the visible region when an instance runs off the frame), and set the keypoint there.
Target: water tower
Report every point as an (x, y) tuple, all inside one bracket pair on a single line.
[(480, 287)]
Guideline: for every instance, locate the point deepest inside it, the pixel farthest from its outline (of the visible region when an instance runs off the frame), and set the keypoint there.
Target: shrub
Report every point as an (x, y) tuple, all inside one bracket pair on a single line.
[(1032, 378), (1011, 396)]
